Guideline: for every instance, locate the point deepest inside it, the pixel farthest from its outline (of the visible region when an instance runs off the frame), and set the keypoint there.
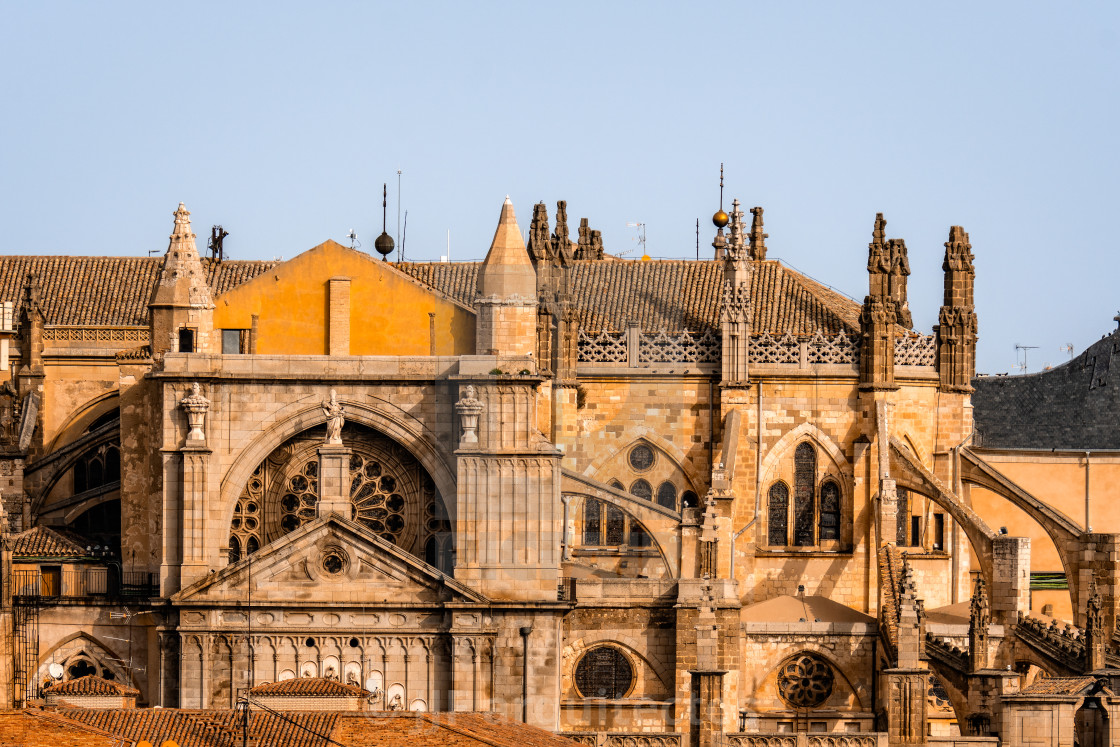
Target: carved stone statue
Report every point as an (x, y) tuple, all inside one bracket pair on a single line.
[(336, 416)]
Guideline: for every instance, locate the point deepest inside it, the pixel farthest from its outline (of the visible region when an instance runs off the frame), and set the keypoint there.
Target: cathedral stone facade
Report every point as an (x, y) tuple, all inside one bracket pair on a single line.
[(651, 503)]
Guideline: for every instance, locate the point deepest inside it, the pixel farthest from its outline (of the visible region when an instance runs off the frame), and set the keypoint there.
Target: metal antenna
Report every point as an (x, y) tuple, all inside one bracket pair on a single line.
[(641, 235), (399, 247), (1024, 348), (1068, 349), (697, 239), (721, 187), (404, 234), (353, 236)]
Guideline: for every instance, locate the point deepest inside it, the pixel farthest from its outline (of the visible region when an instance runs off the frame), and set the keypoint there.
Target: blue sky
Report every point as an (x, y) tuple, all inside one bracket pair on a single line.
[(282, 120)]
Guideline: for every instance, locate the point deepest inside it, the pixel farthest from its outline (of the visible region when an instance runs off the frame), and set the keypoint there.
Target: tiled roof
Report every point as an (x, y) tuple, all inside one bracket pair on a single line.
[(662, 294), (1059, 686), (209, 728), (1073, 406), (44, 542), (444, 729), (311, 687), (673, 295), (316, 729), (36, 728), (90, 685), (105, 291)]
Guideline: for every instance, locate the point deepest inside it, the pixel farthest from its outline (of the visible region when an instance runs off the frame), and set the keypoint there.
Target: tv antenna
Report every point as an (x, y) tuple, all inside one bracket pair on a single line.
[(1067, 349), (353, 236), (641, 236), (214, 244), (1024, 348)]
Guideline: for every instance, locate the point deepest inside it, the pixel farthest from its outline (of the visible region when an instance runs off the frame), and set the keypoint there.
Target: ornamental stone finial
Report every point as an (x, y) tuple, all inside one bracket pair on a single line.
[(196, 406), (469, 408)]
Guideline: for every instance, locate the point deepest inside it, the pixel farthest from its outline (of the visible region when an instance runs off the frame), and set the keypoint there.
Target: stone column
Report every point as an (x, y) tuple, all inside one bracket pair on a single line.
[(334, 480), (1011, 578), (706, 728)]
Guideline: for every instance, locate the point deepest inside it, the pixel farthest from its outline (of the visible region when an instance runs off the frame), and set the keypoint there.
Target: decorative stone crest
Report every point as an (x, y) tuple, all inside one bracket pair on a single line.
[(469, 408), (336, 417), (196, 407)]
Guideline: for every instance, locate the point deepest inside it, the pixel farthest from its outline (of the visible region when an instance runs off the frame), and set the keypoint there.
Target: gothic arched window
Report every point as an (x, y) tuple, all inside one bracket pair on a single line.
[(642, 489), (778, 511), (592, 511), (804, 498), (667, 495), (830, 511)]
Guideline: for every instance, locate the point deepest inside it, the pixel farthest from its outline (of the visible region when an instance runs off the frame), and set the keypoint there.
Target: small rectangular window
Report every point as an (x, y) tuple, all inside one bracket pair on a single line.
[(939, 532), (851, 726), (915, 531), (818, 726), (785, 727), (231, 341), (186, 340)]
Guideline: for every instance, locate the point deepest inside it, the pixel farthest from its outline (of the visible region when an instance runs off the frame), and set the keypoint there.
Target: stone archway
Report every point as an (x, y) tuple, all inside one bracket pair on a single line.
[(306, 414), (390, 493)]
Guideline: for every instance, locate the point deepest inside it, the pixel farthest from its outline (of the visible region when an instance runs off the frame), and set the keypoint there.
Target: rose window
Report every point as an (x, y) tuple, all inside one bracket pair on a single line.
[(805, 681), (374, 498), (390, 493), (297, 505)]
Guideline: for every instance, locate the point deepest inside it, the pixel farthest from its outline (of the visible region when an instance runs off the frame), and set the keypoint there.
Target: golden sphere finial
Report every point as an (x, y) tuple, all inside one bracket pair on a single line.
[(721, 219)]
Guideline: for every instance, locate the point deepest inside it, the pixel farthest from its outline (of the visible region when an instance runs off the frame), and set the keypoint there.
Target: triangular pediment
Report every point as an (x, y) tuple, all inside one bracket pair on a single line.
[(329, 561)]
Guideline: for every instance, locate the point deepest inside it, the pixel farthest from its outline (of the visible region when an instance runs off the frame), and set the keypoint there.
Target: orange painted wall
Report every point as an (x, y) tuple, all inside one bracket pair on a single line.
[(388, 312), (1059, 480)]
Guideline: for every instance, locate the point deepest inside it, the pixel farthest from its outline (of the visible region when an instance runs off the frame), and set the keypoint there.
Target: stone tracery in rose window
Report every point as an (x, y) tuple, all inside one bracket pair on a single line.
[(805, 681), (391, 494)]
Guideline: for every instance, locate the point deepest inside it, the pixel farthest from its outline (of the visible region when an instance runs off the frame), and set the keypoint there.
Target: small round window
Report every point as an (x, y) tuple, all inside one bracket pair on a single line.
[(641, 458), (604, 672), (805, 681), (334, 562)]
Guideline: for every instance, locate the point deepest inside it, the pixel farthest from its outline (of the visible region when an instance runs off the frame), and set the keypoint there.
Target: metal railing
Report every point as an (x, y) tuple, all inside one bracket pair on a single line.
[(50, 584)]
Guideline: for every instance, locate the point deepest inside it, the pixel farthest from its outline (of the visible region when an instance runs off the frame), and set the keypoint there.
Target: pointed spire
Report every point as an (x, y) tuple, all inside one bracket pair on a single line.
[(758, 238), (736, 241), (507, 269), (182, 281)]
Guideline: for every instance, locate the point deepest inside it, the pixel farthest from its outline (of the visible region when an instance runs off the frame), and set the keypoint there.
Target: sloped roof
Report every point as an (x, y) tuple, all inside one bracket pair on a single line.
[(45, 542), (1073, 406), (315, 728), (787, 609), (209, 728), (32, 727), (105, 291), (673, 295), (91, 684), (1059, 686), (320, 687), (662, 294)]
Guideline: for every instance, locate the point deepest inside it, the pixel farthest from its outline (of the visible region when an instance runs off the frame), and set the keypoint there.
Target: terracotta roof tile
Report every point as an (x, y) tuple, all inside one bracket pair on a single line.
[(673, 295), (209, 728), (664, 294), (45, 542), (105, 291), (311, 687), (1059, 686), (90, 685), (314, 729), (37, 728)]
